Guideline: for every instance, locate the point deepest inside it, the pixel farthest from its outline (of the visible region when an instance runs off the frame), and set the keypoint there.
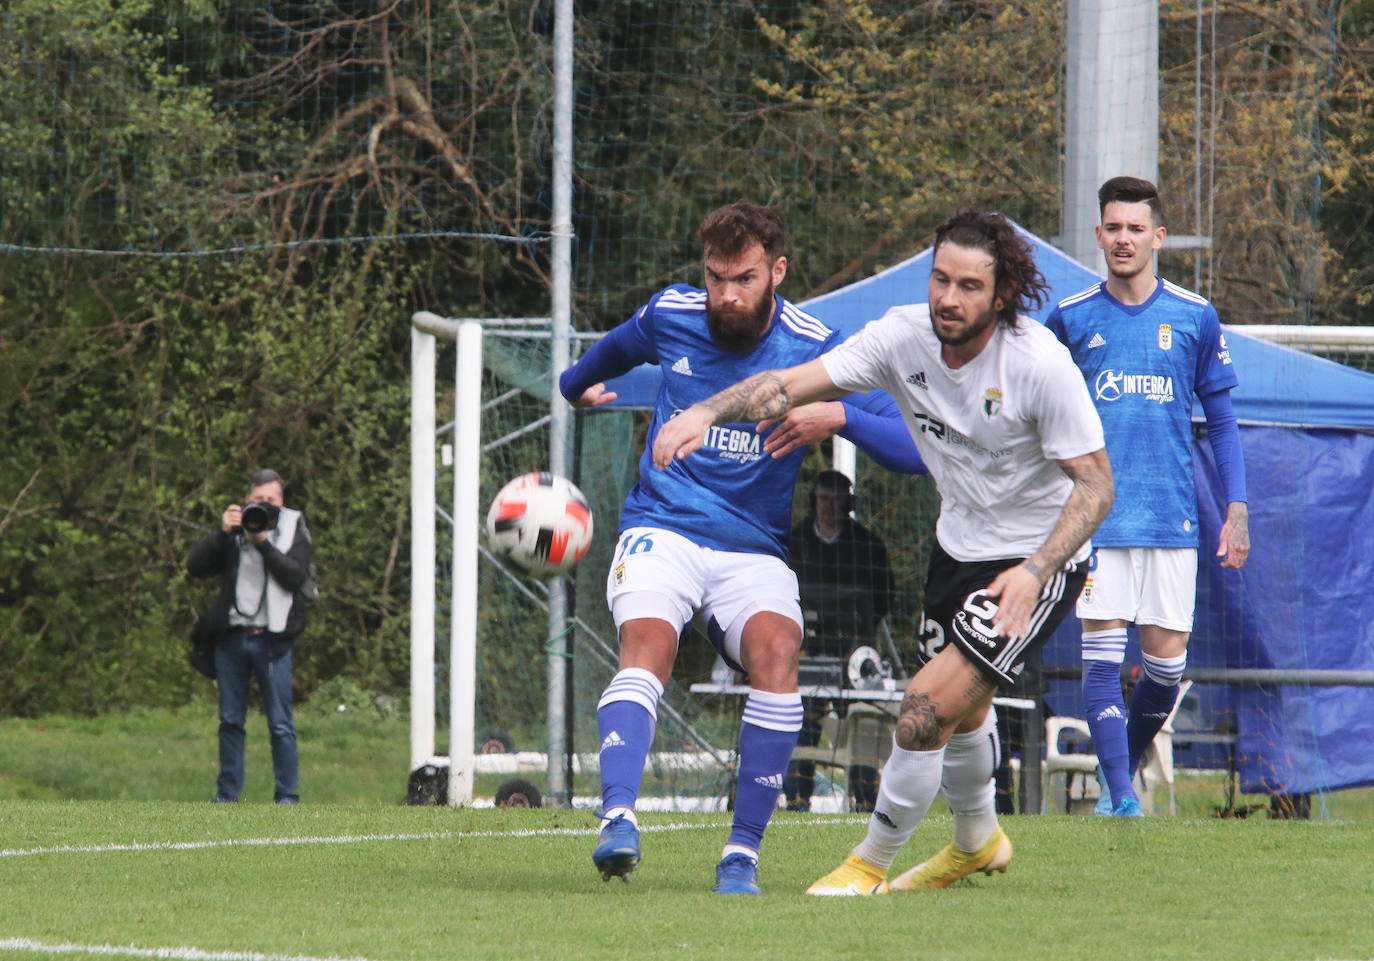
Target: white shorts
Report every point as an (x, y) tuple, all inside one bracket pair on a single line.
[(661, 574), (1143, 585)]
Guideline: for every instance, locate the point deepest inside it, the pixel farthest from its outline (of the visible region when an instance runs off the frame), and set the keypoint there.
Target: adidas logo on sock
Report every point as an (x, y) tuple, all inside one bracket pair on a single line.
[(682, 367), (1111, 710), (612, 740), (1097, 341), (770, 780)]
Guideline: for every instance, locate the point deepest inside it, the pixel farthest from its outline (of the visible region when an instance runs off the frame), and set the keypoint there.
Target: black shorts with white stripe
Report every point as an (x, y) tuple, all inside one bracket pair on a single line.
[(958, 611)]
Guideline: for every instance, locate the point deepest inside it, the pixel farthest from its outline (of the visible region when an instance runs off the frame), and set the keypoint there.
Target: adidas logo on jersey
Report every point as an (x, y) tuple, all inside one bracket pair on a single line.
[(683, 368), (613, 740), (1097, 341), (918, 379), (1111, 710), (773, 781)]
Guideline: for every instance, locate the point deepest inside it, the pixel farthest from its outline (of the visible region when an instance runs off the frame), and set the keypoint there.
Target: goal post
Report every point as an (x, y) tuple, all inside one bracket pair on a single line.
[(467, 407)]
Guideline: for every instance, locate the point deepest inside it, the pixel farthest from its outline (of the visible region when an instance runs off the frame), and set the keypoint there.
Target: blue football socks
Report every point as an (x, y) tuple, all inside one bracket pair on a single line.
[(1105, 710), (767, 735), (1151, 703), (626, 719)]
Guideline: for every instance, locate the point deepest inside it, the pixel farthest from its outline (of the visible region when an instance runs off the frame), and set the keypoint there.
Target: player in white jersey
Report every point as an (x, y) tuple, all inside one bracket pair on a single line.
[(711, 537), (1003, 421), (1146, 347)]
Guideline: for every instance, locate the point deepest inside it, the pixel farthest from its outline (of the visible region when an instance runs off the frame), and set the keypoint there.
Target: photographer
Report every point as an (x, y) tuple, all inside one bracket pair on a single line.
[(262, 555)]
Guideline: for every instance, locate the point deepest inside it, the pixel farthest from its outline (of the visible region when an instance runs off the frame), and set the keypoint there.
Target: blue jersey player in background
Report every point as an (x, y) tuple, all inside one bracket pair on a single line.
[(1145, 347), (710, 536)]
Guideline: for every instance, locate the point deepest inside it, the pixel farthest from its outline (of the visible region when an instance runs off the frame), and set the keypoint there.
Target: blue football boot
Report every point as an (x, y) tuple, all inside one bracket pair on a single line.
[(617, 851), (737, 874)]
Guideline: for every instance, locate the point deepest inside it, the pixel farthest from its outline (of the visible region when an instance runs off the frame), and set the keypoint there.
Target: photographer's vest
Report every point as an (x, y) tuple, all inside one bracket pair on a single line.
[(259, 601)]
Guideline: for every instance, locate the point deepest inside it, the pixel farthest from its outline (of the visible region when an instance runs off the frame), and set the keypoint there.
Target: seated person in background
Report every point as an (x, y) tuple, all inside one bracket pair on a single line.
[(846, 589)]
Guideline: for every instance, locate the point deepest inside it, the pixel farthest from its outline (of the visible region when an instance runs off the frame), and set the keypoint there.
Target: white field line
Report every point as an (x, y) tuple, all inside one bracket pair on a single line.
[(133, 951), (345, 839)]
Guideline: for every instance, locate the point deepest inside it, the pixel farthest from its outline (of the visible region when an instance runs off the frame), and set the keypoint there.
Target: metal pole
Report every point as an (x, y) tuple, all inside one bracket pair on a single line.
[(1111, 110), (467, 427), (422, 548), (561, 253)]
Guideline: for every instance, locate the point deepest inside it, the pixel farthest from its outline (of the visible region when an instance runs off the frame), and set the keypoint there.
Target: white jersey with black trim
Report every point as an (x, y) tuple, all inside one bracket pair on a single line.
[(729, 495), (991, 432)]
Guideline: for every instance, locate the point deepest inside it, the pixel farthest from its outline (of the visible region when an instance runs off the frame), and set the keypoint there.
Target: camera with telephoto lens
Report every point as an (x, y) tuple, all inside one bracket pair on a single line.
[(258, 517)]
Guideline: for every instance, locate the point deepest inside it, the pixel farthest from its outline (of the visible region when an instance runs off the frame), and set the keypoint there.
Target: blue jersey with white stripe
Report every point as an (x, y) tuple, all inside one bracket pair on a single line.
[(729, 495), (1143, 363)]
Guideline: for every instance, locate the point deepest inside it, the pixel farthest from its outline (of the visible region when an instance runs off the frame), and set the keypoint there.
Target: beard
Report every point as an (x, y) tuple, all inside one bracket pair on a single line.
[(739, 331), (968, 333)]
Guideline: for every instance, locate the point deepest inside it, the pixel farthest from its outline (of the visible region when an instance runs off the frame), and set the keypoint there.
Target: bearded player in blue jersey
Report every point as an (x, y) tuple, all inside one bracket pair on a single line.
[(710, 536), (1146, 347)]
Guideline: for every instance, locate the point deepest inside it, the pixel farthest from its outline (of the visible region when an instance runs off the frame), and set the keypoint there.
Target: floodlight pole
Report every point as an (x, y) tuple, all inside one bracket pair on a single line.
[(1111, 109), (561, 257)]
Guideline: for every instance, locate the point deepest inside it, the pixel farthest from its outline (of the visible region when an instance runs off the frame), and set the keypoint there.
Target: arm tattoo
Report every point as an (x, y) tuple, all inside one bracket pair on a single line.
[(761, 397), (1088, 503)]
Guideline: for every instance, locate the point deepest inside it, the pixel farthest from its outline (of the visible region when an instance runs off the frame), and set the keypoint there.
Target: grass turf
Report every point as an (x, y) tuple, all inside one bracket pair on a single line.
[(110, 845), (394, 883)]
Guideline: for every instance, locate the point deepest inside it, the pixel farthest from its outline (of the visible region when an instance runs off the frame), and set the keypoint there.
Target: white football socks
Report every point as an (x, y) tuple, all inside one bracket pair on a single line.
[(968, 785), (911, 779)]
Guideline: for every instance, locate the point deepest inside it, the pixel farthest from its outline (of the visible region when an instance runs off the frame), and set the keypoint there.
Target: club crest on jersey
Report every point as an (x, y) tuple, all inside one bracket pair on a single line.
[(992, 401), (1166, 336)]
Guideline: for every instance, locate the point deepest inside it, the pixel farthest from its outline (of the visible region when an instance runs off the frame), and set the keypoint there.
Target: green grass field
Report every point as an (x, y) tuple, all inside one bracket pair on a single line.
[(183, 879), (108, 845)]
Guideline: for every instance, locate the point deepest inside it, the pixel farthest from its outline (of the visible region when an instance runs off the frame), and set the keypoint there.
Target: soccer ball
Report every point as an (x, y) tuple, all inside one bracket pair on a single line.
[(540, 523)]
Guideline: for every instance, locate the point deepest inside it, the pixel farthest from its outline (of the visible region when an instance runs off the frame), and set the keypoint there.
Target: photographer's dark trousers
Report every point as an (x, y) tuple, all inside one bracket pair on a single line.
[(239, 657)]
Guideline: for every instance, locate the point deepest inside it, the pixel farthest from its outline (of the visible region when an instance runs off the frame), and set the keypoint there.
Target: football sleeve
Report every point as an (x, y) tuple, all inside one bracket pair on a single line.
[(874, 424), (622, 349), (1224, 435)]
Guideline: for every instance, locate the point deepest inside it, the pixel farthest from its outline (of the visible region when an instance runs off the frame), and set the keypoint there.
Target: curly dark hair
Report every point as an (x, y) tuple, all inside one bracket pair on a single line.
[(1017, 281), (729, 230), (518, 793)]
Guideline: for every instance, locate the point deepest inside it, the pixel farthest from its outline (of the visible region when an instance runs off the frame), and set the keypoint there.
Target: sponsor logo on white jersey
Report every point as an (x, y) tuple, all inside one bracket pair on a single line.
[(770, 780), (1112, 385), (1096, 342), (683, 368), (918, 379), (613, 740)]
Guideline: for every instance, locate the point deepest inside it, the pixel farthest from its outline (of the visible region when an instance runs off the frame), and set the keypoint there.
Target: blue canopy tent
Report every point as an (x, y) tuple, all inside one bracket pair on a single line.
[(1303, 600)]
